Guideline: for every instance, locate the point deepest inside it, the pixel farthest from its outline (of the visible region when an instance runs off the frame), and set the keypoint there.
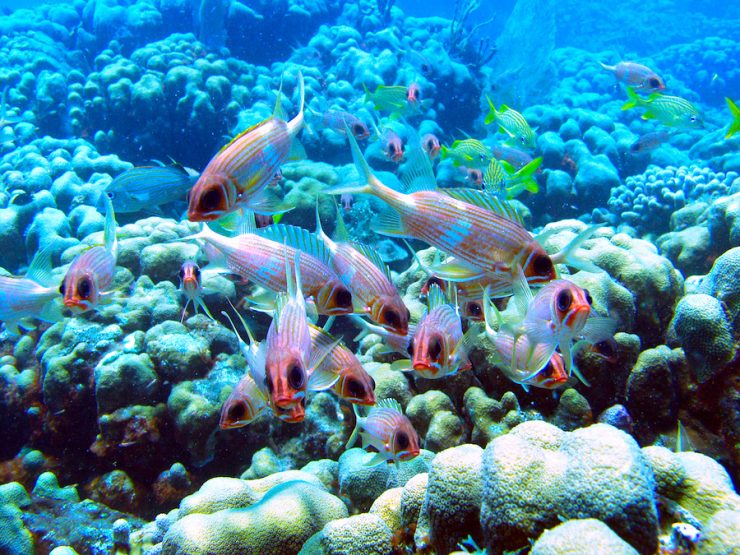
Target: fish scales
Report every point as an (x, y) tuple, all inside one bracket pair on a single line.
[(270, 138)]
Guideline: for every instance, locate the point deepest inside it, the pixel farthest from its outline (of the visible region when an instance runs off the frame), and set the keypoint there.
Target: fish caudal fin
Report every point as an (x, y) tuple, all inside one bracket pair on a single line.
[(570, 257), (296, 124), (356, 431), (492, 113), (735, 124), (633, 100)]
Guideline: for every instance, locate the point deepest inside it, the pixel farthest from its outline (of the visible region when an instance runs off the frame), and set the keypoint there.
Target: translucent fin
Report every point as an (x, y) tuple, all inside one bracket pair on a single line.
[(40, 268), (278, 111), (485, 200), (297, 238), (375, 460), (198, 301), (419, 173), (599, 328), (356, 431), (267, 203), (340, 231), (402, 365), (390, 403), (456, 271), (374, 257), (389, 222), (569, 255), (522, 293), (321, 379), (265, 301), (435, 297), (280, 301), (297, 151), (52, 312), (109, 231)]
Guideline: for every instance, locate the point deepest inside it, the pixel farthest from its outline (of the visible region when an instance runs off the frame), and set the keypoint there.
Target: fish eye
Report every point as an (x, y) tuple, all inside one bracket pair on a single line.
[(410, 348), (296, 377), (391, 317), (565, 299), (62, 288), (355, 388), (237, 412), (372, 383), (343, 298), (210, 200), (435, 349), (357, 129), (589, 300), (474, 309), (84, 287), (425, 68), (402, 440), (196, 271), (181, 273), (605, 348), (542, 265), (653, 82), (111, 195), (268, 383), (692, 119)]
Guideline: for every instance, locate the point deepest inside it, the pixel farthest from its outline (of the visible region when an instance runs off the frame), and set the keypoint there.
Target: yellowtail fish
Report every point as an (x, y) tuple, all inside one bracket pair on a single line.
[(439, 347), (512, 123), (482, 240), (354, 384), (636, 75), (673, 111), (388, 98), (735, 123), (237, 176), (259, 255), (365, 274), (388, 430), (468, 152), (191, 285), (289, 357), (23, 299), (89, 277), (147, 187), (501, 179)]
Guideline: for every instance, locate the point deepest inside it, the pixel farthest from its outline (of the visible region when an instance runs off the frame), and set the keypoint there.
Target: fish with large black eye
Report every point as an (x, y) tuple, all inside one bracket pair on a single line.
[(389, 431)]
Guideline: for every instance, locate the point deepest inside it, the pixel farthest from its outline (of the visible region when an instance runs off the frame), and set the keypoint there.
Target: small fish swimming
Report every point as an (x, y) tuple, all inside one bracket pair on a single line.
[(389, 431), (354, 385), (336, 120), (413, 94), (238, 174), (367, 276), (258, 256), (388, 98), (673, 111), (472, 176), (636, 76), (89, 277), (32, 296), (245, 403), (471, 153), (512, 123), (191, 286), (439, 346), (430, 145), (145, 188), (501, 179), (393, 342), (735, 123), (514, 156), (649, 142), (393, 147)]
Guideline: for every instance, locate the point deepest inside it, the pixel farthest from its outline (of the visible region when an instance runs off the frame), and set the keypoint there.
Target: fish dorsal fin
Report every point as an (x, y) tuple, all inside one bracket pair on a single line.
[(240, 135), (281, 299), (374, 257), (418, 173), (40, 268), (340, 231), (435, 297), (278, 111), (298, 238), (485, 200), (250, 335), (390, 403), (522, 293)]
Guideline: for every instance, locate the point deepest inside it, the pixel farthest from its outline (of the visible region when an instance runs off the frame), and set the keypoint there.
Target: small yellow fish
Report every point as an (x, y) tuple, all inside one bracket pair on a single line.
[(669, 110), (512, 123)]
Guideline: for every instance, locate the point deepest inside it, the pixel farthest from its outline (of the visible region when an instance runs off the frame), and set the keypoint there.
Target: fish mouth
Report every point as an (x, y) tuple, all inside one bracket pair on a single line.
[(77, 307)]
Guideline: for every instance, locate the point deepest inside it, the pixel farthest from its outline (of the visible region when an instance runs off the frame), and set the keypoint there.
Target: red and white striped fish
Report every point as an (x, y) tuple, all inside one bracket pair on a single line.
[(191, 286), (389, 431), (439, 346), (89, 277), (483, 240), (366, 275), (519, 360), (30, 297), (238, 174), (259, 256), (245, 403), (354, 385)]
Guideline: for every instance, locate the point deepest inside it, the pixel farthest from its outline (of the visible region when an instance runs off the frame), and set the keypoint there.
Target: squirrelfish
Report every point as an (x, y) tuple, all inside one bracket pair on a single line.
[(354, 384), (735, 123), (337, 119), (191, 285), (245, 403), (393, 147), (146, 188), (648, 142), (430, 145), (32, 296), (669, 110), (393, 342), (512, 123), (636, 75), (483, 238), (89, 277), (413, 94), (367, 277), (520, 360), (259, 256), (439, 347), (389, 431), (514, 156), (237, 176)]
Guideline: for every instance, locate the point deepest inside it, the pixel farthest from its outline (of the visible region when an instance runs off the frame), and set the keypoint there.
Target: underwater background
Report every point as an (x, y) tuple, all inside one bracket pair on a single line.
[(139, 408)]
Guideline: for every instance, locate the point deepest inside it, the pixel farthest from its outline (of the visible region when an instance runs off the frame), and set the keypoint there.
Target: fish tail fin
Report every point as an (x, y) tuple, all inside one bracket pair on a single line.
[(297, 123), (202, 304), (109, 231), (492, 112), (371, 183), (569, 255), (340, 228), (735, 124), (356, 431), (524, 179), (633, 99), (607, 67)]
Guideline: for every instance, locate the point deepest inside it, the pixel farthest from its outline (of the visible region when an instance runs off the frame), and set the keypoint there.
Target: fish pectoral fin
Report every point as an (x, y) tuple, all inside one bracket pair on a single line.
[(267, 203), (599, 328), (321, 379), (262, 302), (375, 460), (456, 271), (52, 312), (402, 365), (389, 222)]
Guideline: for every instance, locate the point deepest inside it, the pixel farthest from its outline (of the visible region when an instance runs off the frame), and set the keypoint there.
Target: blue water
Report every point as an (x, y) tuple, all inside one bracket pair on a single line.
[(123, 401)]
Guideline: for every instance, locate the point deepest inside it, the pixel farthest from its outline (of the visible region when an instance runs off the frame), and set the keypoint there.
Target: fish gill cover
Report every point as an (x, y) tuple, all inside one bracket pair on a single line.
[(369, 277)]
